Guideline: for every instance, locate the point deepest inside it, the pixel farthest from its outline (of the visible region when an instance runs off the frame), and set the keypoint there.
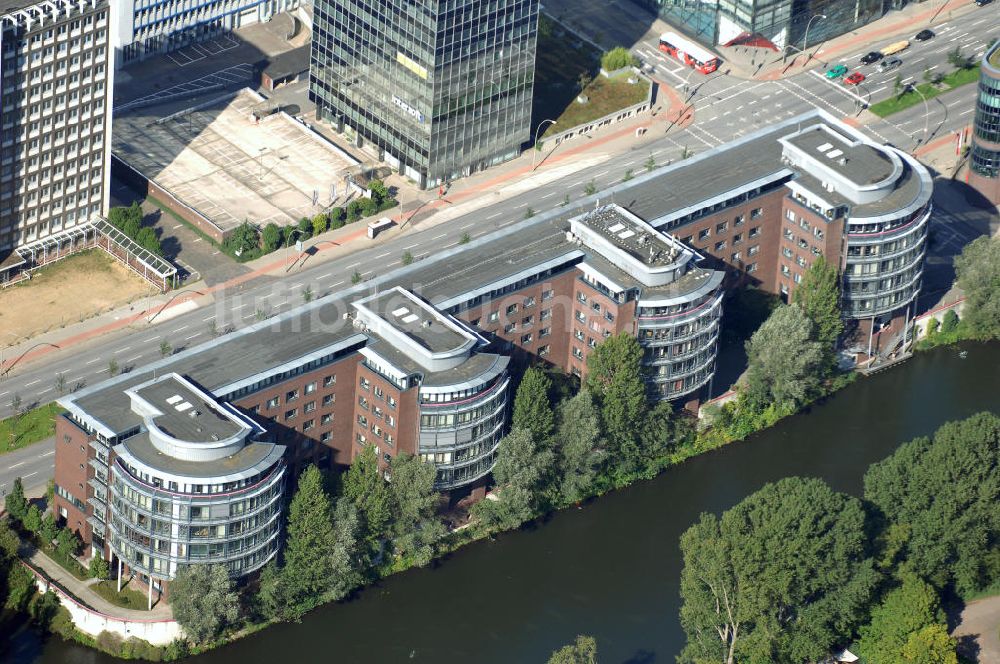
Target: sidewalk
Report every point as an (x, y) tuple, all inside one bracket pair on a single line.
[(762, 64), (82, 592)]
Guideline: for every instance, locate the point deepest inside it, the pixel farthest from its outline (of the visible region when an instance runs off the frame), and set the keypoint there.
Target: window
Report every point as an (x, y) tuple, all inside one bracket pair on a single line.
[(390, 420), (754, 232), (790, 214), (392, 402), (786, 252), (754, 250), (544, 350), (291, 395), (308, 424), (687, 240), (379, 393), (752, 267), (756, 212), (797, 278), (818, 232), (544, 314), (596, 306), (377, 430), (362, 421), (739, 220), (608, 316), (577, 353), (363, 402), (493, 317), (325, 437), (578, 334), (509, 327), (527, 320), (526, 339), (804, 224), (719, 246), (801, 261), (721, 228), (364, 383), (309, 407), (310, 388), (735, 257), (388, 439), (547, 294), (704, 233), (273, 403), (580, 297), (326, 419), (580, 316), (329, 399), (738, 238), (529, 302), (361, 438), (544, 332), (785, 271), (290, 414)]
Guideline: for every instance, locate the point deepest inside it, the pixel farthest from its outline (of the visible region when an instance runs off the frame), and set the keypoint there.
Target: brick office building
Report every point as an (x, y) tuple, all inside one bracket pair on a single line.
[(424, 362)]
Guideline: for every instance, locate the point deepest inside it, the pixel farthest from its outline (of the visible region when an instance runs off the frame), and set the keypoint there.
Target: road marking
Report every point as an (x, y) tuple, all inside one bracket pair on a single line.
[(15, 465), (469, 225), (438, 237), (197, 334), (967, 112), (182, 327), (49, 453), (4, 393), (327, 275), (600, 174), (550, 195), (29, 474), (383, 255), (37, 380), (89, 362), (173, 228), (494, 215), (132, 359), (205, 320)]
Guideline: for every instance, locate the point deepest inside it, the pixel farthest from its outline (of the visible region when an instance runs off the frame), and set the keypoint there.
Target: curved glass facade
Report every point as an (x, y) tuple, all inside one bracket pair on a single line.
[(154, 530), (460, 431), (680, 344), (884, 263), (986, 125)]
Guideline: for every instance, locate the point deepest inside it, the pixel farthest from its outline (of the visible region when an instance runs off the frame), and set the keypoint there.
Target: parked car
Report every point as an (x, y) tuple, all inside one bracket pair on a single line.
[(983, 3), (889, 64), (924, 35), (854, 78), (836, 72), (871, 58)]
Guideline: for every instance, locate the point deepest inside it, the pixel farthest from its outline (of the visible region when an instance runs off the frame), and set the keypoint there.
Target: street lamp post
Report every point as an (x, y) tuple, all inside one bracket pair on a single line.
[(534, 146), (927, 109), (805, 40), (290, 237)]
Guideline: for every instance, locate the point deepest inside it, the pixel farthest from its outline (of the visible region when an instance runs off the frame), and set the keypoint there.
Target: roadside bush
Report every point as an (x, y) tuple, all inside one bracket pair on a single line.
[(617, 58), (271, 237), (950, 322), (289, 235), (932, 327), (319, 223), (243, 239), (99, 567), (305, 228), (353, 211)]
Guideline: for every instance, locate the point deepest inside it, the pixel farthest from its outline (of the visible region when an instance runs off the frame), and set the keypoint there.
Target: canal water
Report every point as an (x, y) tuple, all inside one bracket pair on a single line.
[(610, 569)]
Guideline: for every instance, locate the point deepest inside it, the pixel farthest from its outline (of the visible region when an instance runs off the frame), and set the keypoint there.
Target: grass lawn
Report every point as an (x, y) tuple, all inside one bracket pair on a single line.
[(955, 79), (71, 565), (560, 61), (127, 598), (604, 96), (35, 425)]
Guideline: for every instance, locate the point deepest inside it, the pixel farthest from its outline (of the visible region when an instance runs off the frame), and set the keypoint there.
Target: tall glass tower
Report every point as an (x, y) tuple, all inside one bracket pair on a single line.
[(441, 87), (984, 162)]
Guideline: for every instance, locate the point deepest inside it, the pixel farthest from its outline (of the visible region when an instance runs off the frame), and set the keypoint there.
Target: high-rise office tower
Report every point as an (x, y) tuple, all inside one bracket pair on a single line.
[(984, 164), (55, 150), (441, 88)]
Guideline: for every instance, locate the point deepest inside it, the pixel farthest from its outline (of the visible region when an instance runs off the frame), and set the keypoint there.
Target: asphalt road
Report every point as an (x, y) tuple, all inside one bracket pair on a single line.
[(725, 108), (32, 464)]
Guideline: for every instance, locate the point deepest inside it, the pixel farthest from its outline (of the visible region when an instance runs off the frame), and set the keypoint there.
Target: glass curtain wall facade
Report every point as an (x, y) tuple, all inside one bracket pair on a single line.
[(441, 88), (984, 161), (784, 22)]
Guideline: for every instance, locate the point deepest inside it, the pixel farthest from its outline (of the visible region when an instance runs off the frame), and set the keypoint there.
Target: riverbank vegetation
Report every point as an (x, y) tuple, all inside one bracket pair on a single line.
[(797, 570), (977, 272)]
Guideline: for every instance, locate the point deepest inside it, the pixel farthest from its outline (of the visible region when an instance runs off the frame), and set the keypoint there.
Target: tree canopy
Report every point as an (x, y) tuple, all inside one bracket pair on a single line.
[(783, 360), (780, 577), (617, 58), (203, 600), (819, 297), (580, 446), (308, 566), (533, 407), (978, 273), (905, 610), (365, 486), (415, 526), (521, 468), (944, 491), (581, 651), (614, 378)]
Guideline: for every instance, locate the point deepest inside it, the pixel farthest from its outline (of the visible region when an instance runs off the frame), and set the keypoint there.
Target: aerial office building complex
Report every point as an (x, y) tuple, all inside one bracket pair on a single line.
[(439, 88), (146, 27), (423, 359), (55, 152), (984, 160)]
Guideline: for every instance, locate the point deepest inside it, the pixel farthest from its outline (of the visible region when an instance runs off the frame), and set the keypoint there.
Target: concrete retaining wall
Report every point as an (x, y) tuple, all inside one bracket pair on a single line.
[(92, 622), (920, 323)]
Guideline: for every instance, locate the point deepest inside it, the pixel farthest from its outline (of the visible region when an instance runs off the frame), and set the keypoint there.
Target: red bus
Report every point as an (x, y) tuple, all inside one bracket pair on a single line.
[(689, 52)]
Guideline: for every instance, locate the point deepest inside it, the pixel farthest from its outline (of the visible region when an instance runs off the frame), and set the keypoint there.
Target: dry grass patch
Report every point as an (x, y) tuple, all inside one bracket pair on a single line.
[(66, 292)]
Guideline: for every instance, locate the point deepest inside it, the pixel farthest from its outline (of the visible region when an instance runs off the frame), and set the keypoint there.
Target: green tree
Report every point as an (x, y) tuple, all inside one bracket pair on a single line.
[(949, 322), (113, 367), (271, 600), (319, 223), (348, 557), (308, 566), (959, 60), (904, 610), (203, 600), (780, 577), (67, 543), (368, 207), (943, 490), (533, 406), (271, 237), (307, 294), (932, 327), (305, 228), (243, 238), (581, 651), (99, 567), (379, 192), (617, 58), (819, 297), (783, 361), (978, 273), (290, 233), (590, 188), (354, 209), (49, 529), (930, 645), (365, 486), (146, 238), (166, 350), (14, 502), (580, 446), (416, 529), (650, 163), (614, 378), (520, 472), (407, 257), (33, 519)]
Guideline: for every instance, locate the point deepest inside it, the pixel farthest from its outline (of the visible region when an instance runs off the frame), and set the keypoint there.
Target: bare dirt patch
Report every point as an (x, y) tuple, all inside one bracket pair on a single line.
[(66, 292)]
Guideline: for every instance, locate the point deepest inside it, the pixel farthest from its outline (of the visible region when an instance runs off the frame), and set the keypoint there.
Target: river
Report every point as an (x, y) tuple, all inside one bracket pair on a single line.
[(612, 568)]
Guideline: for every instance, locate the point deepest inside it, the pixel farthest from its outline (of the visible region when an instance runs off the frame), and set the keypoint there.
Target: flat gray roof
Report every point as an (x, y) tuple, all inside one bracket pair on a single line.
[(186, 414), (417, 320), (250, 455), (622, 231), (862, 164)]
